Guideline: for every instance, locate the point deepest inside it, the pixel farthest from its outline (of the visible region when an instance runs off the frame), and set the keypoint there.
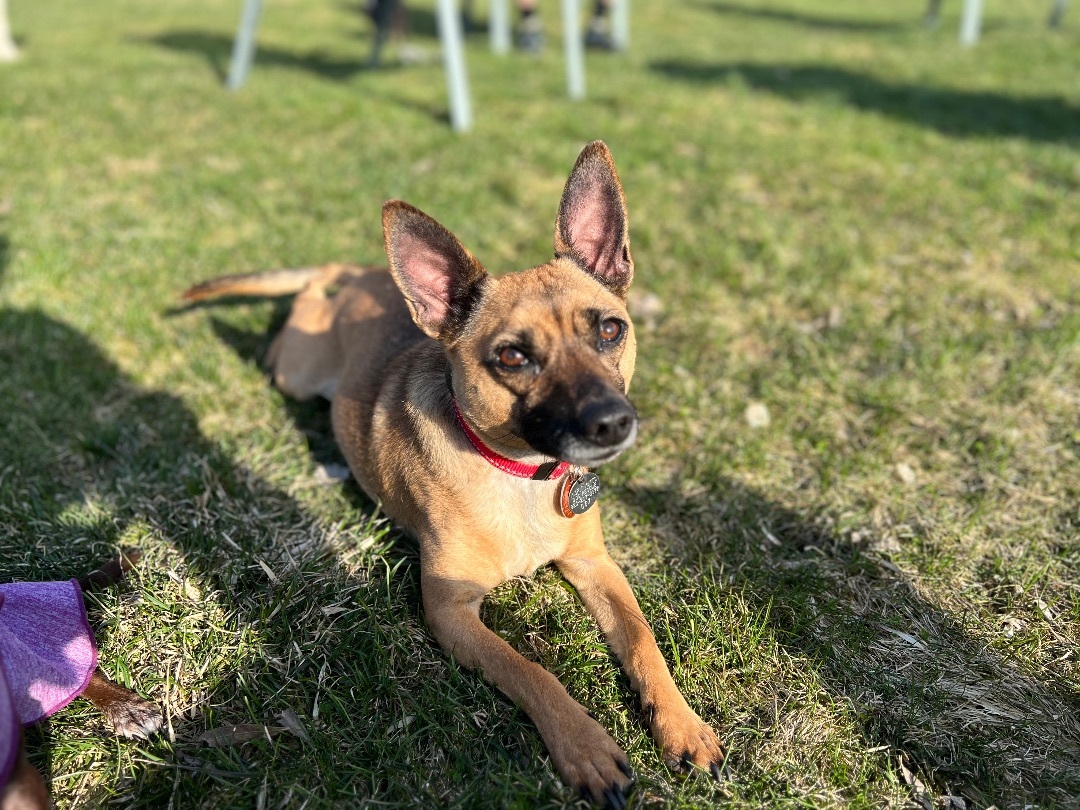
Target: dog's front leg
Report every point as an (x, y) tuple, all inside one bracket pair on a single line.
[(683, 737), (582, 751)]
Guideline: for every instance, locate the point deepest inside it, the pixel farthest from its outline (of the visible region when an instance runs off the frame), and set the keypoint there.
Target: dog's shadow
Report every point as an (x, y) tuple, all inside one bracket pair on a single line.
[(964, 719), (312, 417)]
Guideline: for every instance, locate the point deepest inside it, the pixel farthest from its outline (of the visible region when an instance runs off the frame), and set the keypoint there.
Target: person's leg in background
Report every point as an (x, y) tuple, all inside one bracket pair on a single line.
[(531, 30), (598, 34)]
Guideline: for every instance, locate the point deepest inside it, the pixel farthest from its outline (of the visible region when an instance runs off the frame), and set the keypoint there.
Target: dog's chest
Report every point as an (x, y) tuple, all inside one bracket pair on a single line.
[(522, 523)]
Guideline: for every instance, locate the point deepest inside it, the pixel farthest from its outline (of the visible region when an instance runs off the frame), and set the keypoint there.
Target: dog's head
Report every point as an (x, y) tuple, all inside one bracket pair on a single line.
[(541, 359)]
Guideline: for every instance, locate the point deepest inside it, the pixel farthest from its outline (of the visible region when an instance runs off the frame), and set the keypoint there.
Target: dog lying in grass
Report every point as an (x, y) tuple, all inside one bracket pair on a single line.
[(473, 409)]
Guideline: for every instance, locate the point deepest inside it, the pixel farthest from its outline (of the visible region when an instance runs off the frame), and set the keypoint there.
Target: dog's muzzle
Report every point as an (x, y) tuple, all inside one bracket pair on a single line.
[(596, 432), (608, 423)]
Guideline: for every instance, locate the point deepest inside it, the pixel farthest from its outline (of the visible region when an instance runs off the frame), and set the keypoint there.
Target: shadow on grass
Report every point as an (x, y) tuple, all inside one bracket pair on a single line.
[(90, 460), (803, 19), (966, 720), (86, 455), (78, 433), (952, 112), (216, 48), (311, 418)]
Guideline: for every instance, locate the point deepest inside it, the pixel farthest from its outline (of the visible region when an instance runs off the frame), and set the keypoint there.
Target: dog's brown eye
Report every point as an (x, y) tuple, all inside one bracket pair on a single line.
[(611, 330), (512, 358)]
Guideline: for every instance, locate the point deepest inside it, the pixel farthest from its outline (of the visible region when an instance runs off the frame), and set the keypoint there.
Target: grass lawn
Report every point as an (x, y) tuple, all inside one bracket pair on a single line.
[(853, 226)]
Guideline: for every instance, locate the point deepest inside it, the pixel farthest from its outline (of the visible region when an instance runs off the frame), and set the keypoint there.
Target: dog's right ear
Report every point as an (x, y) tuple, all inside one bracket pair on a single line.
[(440, 279), (591, 228)]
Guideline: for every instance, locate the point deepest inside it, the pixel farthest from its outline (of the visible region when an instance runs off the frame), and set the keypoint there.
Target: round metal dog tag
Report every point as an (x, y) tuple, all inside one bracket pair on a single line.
[(579, 493)]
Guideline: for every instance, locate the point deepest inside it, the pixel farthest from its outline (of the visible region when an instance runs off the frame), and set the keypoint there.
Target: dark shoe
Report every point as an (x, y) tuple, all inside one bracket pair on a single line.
[(531, 34), (598, 35)]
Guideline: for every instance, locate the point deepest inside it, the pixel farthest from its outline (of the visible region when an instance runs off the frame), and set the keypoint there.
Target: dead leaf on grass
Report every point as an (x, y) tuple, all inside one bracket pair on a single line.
[(225, 736), (905, 473), (921, 793), (757, 415), (292, 724)]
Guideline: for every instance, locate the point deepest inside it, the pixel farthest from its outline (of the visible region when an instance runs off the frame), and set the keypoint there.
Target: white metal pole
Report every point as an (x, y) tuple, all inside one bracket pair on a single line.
[(620, 25), (457, 83), (499, 26), (970, 22), (8, 50), (243, 53), (575, 49)]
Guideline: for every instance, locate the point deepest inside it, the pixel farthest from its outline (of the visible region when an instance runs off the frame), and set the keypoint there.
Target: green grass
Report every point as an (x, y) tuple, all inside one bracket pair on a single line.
[(847, 219)]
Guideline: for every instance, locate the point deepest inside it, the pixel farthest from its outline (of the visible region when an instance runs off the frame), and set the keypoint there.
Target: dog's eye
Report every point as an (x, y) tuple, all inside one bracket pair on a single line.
[(611, 330), (509, 357)]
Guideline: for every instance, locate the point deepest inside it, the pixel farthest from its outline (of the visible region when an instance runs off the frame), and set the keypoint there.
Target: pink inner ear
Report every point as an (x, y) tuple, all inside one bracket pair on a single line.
[(594, 229), (591, 230), (427, 273)]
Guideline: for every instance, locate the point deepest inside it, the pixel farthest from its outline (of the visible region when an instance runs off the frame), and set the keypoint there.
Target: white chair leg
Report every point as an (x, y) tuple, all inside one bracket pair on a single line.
[(575, 49), (8, 51), (620, 25), (243, 53), (970, 22), (499, 26), (457, 82)]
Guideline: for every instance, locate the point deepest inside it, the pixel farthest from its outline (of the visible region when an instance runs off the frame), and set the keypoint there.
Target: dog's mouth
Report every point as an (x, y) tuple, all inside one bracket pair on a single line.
[(591, 435), (585, 454)]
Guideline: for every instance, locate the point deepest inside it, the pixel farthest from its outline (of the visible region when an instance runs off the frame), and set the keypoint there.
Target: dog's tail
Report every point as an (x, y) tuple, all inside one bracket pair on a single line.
[(268, 283)]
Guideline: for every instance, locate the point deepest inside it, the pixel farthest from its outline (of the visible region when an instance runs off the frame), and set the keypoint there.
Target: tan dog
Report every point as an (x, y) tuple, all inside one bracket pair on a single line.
[(467, 406)]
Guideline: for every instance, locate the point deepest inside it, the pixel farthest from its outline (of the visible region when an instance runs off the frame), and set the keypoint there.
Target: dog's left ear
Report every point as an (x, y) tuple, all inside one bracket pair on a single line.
[(440, 279), (591, 229)]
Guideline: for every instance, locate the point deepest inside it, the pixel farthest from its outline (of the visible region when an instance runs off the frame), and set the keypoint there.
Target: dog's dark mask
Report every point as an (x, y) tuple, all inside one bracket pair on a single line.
[(585, 421)]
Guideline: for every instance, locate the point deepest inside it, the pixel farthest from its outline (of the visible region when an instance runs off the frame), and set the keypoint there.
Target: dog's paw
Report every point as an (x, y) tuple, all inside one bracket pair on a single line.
[(684, 738), (134, 718), (593, 764)]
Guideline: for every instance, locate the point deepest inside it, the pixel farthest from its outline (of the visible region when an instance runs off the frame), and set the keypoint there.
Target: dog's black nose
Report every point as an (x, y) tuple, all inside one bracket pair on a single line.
[(608, 422)]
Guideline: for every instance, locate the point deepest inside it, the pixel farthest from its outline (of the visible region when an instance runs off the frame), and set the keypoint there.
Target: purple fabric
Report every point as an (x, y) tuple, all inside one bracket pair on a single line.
[(47, 655)]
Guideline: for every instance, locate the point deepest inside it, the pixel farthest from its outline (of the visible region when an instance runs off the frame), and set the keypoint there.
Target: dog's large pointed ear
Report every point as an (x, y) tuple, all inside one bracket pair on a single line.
[(440, 279), (591, 228)]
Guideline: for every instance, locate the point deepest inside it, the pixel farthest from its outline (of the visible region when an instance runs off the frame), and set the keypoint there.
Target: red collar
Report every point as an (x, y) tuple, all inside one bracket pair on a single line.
[(550, 471)]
